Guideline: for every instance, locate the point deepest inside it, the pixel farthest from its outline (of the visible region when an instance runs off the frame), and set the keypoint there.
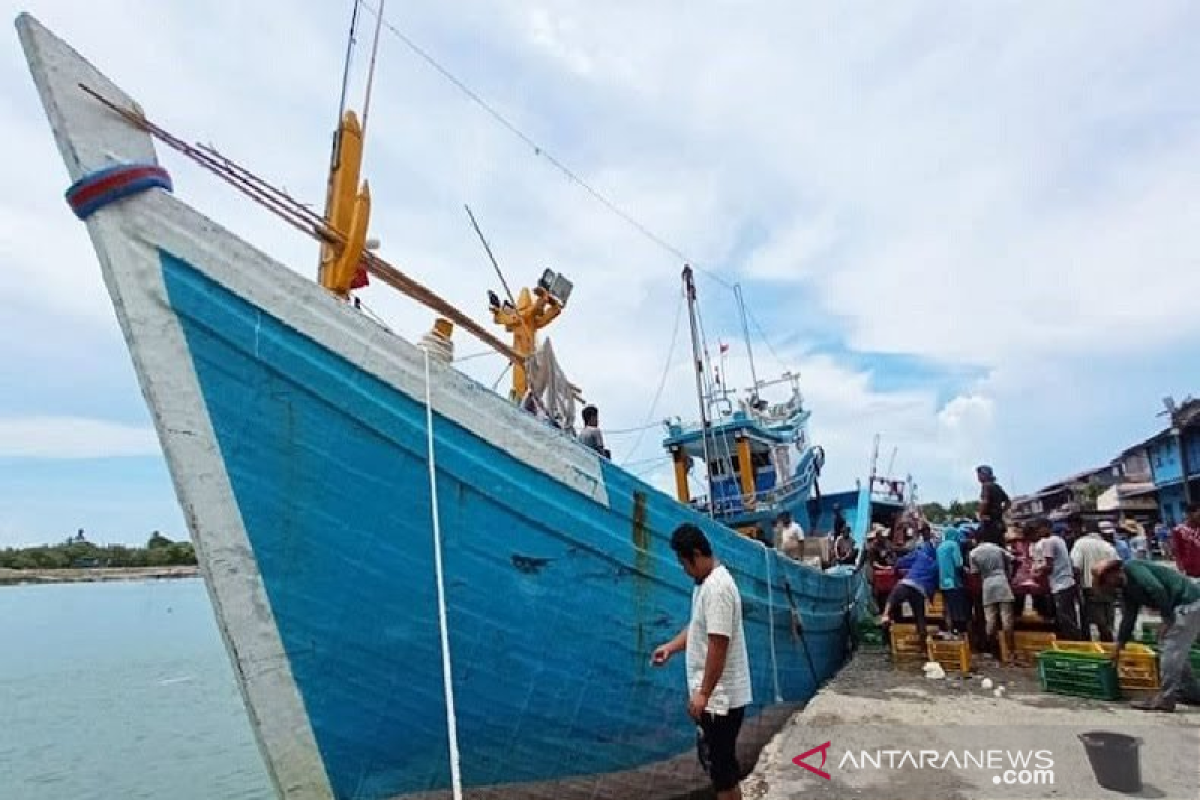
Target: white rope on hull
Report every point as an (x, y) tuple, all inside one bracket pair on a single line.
[(447, 674)]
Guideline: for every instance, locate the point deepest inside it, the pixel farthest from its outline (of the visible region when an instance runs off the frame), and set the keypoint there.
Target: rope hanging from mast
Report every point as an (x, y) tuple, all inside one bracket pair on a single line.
[(350, 42), (371, 68)]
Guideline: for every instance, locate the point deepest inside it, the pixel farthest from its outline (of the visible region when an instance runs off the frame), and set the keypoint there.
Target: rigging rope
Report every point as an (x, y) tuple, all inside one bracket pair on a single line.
[(771, 624), (350, 42), (443, 626), (662, 381), (371, 70), (541, 152)]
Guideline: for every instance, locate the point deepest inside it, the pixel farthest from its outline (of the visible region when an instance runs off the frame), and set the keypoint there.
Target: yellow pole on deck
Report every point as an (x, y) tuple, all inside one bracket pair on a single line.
[(682, 490), (746, 469), (347, 210)]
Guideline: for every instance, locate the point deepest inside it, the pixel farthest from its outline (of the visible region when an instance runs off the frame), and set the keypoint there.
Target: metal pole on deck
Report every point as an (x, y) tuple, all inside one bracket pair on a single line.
[(689, 288)]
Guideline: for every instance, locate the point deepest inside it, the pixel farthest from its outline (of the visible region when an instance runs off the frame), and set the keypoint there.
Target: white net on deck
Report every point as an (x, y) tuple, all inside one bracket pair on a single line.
[(555, 395)]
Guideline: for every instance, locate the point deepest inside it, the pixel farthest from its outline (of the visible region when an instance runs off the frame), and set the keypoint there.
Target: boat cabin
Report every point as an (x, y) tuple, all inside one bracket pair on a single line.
[(758, 461)]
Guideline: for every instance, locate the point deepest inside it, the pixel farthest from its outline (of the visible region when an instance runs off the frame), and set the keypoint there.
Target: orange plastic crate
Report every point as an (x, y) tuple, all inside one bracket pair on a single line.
[(936, 607)]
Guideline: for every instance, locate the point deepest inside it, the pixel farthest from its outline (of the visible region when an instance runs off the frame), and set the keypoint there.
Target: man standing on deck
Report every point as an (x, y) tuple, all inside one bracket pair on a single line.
[(993, 504), (839, 521), (1098, 606), (591, 435), (788, 536), (1144, 584), (718, 669)]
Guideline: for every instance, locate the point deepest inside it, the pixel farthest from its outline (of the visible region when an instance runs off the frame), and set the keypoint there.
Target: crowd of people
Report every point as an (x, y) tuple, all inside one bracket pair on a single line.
[(1072, 574)]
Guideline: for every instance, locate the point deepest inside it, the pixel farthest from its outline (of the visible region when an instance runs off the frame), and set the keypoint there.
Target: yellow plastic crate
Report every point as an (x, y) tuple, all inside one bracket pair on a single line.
[(1029, 643), (936, 607), (951, 653), (1137, 669), (1076, 647)]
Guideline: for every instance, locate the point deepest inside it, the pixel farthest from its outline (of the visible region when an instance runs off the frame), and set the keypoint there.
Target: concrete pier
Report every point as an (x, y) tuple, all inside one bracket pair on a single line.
[(873, 706)]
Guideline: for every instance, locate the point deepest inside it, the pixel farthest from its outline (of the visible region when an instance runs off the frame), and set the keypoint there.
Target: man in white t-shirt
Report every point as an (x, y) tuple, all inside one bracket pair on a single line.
[(718, 669), (788, 536), (1097, 607)]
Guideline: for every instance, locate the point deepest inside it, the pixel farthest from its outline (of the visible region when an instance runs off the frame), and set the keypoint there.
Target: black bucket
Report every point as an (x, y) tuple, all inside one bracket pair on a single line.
[(1116, 760)]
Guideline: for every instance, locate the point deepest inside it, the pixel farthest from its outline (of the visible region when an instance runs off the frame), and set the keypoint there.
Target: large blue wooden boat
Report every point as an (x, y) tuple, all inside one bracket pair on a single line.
[(306, 443)]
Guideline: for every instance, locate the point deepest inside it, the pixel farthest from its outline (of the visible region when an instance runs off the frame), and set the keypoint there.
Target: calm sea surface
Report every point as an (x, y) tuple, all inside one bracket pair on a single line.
[(120, 690)]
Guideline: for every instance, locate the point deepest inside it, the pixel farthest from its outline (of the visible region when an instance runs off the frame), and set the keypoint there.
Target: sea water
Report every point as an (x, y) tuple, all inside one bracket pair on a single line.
[(120, 690)]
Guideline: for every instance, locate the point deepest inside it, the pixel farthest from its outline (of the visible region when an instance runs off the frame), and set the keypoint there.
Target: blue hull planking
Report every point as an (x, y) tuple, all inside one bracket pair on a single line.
[(555, 600)]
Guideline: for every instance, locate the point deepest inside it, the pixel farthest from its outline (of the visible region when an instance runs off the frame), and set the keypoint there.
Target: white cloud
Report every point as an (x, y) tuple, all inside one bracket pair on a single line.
[(73, 437), (997, 187)]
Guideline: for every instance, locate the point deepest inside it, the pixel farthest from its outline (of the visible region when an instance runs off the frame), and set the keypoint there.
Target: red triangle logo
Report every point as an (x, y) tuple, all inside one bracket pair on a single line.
[(823, 749)]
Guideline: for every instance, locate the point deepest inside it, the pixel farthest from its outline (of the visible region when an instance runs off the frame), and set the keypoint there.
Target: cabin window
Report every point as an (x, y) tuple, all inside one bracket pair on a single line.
[(760, 460)]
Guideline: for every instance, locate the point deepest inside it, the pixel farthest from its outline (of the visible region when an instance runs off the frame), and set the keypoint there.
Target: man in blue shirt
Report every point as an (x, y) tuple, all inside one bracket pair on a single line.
[(950, 569), (915, 588)]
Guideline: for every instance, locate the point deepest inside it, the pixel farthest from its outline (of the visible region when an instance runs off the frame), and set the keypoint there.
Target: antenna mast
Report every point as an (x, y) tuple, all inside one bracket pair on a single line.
[(689, 288), (737, 292)]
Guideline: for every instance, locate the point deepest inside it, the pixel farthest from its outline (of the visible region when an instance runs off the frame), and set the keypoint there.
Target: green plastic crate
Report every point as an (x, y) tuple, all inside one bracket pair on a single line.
[(1078, 674), (870, 634)]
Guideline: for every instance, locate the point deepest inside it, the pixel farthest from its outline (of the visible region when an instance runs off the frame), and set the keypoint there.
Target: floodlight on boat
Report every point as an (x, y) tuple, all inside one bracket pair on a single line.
[(557, 286)]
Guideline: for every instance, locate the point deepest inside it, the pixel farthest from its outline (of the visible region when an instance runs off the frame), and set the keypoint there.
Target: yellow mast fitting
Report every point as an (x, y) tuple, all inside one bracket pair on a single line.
[(533, 311), (682, 491), (347, 210), (746, 469)]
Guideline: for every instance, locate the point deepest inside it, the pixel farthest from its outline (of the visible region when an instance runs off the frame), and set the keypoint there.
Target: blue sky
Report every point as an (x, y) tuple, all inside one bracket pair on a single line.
[(971, 228)]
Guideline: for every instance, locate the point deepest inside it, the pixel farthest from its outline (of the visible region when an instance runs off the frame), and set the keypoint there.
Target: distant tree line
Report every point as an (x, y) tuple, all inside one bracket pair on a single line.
[(77, 552), (938, 513)]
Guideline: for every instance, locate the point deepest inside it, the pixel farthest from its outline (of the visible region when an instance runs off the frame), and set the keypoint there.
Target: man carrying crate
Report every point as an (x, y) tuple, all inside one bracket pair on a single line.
[(1147, 585)]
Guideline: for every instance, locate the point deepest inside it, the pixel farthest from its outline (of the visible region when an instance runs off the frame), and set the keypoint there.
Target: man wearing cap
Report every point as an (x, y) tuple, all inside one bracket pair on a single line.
[(1109, 533), (1144, 584)]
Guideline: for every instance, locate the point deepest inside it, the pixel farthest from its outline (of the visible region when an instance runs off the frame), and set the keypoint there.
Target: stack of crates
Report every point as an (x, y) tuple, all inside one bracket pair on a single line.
[(1081, 674), (1137, 668), (905, 644), (1029, 643), (951, 654)]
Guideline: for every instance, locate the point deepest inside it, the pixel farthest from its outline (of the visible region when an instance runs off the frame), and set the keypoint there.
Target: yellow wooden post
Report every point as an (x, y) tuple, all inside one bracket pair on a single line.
[(347, 209), (682, 491), (746, 468)]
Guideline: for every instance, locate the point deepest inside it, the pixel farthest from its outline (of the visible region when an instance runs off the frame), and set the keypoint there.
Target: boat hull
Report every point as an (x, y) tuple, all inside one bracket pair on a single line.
[(296, 433)]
